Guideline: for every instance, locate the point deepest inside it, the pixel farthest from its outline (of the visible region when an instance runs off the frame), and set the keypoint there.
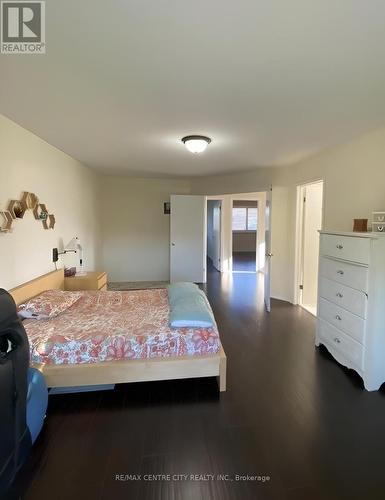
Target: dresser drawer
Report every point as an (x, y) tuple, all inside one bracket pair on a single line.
[(349, 298), (340, 342), (92, 280), (346, 247), (345, 273), (342, 319)]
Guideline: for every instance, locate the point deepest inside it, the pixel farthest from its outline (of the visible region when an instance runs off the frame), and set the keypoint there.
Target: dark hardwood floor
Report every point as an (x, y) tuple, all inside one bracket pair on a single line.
[(290, 412), (244, 261)]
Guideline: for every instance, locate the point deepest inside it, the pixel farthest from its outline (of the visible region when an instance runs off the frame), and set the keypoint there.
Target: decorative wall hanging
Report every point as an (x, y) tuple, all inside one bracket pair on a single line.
[(17, 208)]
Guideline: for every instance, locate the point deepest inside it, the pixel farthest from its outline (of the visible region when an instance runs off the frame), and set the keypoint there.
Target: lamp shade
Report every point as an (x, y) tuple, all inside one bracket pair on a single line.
[(74, 244), (196, 143)]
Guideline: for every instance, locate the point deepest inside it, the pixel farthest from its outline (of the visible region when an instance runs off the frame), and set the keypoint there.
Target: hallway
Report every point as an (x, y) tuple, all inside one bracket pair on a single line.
[(244, 262)]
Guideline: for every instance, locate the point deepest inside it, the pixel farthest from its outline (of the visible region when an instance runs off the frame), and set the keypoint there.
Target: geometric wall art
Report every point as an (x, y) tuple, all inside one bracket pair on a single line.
[(17, 208)]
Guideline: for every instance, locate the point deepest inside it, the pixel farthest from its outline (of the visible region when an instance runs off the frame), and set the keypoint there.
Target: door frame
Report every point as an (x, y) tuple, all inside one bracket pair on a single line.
[(222, 237), (226, 225), (257, 239), (299, 235)]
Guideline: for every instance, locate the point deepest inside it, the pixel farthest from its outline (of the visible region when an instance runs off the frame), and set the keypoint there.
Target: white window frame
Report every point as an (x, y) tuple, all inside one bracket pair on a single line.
[(247, 230)]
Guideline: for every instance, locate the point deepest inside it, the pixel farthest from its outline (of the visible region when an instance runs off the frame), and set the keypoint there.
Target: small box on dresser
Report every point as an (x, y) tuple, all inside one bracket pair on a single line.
[(378, 222), (351, 302)]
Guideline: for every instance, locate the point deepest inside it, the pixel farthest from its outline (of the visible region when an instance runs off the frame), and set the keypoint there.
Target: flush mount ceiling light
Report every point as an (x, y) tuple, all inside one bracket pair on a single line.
[(196, 143)]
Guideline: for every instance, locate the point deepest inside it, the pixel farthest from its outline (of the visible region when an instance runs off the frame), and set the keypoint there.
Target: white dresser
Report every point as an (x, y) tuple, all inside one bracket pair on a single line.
[(351, 302)]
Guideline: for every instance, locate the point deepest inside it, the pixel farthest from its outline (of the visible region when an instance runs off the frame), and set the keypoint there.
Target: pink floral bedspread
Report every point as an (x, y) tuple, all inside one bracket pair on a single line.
[(104, 326)]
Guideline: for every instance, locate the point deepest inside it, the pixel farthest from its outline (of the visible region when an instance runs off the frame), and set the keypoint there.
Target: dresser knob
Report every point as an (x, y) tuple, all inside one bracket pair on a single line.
[(337, 340), (340, 272), (340, 247), (339, 295), (338, 317)]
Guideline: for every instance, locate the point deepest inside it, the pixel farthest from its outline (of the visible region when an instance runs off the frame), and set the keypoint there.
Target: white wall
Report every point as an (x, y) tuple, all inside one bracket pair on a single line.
[(354, 180), (135, 231), (67, 187)]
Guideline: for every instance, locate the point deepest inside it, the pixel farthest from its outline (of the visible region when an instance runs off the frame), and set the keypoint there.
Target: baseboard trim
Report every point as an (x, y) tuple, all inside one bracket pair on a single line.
[(284, 299)]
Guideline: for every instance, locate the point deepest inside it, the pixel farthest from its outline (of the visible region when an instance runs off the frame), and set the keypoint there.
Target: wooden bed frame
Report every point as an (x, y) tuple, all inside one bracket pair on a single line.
[(114, 372)]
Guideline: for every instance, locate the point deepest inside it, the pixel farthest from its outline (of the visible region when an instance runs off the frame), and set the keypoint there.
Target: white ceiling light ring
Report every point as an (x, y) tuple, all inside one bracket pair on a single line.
[(196, 143)]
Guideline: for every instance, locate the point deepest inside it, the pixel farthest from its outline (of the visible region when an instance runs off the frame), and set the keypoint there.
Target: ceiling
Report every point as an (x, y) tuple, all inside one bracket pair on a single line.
[(270, 81)]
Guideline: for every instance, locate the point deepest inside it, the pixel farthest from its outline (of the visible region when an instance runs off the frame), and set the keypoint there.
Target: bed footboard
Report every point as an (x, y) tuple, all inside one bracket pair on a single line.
[(136, 370)]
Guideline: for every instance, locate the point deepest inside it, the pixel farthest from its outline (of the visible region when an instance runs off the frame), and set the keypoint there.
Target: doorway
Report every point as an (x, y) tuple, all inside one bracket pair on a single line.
[(244, 236), (219, 242), (214, 223), (309, 222)]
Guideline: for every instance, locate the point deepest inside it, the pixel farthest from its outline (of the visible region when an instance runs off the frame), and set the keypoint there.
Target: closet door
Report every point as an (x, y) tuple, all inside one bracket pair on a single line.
[(188, 238)]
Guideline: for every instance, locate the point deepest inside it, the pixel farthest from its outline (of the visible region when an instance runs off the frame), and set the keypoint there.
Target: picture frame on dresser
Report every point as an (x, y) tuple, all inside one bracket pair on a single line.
[(351, 299)]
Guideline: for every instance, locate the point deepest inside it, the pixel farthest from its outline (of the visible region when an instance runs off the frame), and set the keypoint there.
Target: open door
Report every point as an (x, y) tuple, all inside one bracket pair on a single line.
[(311, 198), (188, 238), (268, 253)]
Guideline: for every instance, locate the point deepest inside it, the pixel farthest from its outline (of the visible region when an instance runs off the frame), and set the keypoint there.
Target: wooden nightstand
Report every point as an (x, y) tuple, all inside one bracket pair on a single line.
[(93, 280)]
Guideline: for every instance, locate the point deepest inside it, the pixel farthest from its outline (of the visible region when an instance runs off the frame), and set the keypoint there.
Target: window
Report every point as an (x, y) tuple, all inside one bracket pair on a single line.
[(251, 219), (245, 219)]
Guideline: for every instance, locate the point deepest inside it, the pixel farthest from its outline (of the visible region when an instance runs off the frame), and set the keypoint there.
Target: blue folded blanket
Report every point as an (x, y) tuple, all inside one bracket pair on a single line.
[(189, 306)]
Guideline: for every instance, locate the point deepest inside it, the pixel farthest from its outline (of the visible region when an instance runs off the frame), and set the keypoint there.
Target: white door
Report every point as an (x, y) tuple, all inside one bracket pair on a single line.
[(312, 223), (188, 238), (268, 253)]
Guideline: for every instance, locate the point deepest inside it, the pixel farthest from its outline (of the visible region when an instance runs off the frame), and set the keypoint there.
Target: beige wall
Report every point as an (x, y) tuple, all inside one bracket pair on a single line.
[(68, 188), (244, 241), (354, 175), (135, 231)]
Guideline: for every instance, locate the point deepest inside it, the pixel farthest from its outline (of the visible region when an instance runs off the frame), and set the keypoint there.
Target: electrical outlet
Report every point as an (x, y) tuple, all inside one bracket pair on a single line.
[(55, 255)]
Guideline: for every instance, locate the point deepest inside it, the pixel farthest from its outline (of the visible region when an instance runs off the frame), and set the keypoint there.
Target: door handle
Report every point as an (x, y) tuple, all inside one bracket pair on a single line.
[(173, 244), (269, 255)]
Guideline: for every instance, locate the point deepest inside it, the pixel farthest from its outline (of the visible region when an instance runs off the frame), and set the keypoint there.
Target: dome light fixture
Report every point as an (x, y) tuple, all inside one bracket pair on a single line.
[(196, 143)]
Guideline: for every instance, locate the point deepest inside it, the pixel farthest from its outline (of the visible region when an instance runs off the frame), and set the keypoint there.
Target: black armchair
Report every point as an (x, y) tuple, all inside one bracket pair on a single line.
[(15, 438)]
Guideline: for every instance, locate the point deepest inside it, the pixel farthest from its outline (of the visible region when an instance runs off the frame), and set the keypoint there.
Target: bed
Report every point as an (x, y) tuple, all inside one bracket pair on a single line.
[(117, 337)]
